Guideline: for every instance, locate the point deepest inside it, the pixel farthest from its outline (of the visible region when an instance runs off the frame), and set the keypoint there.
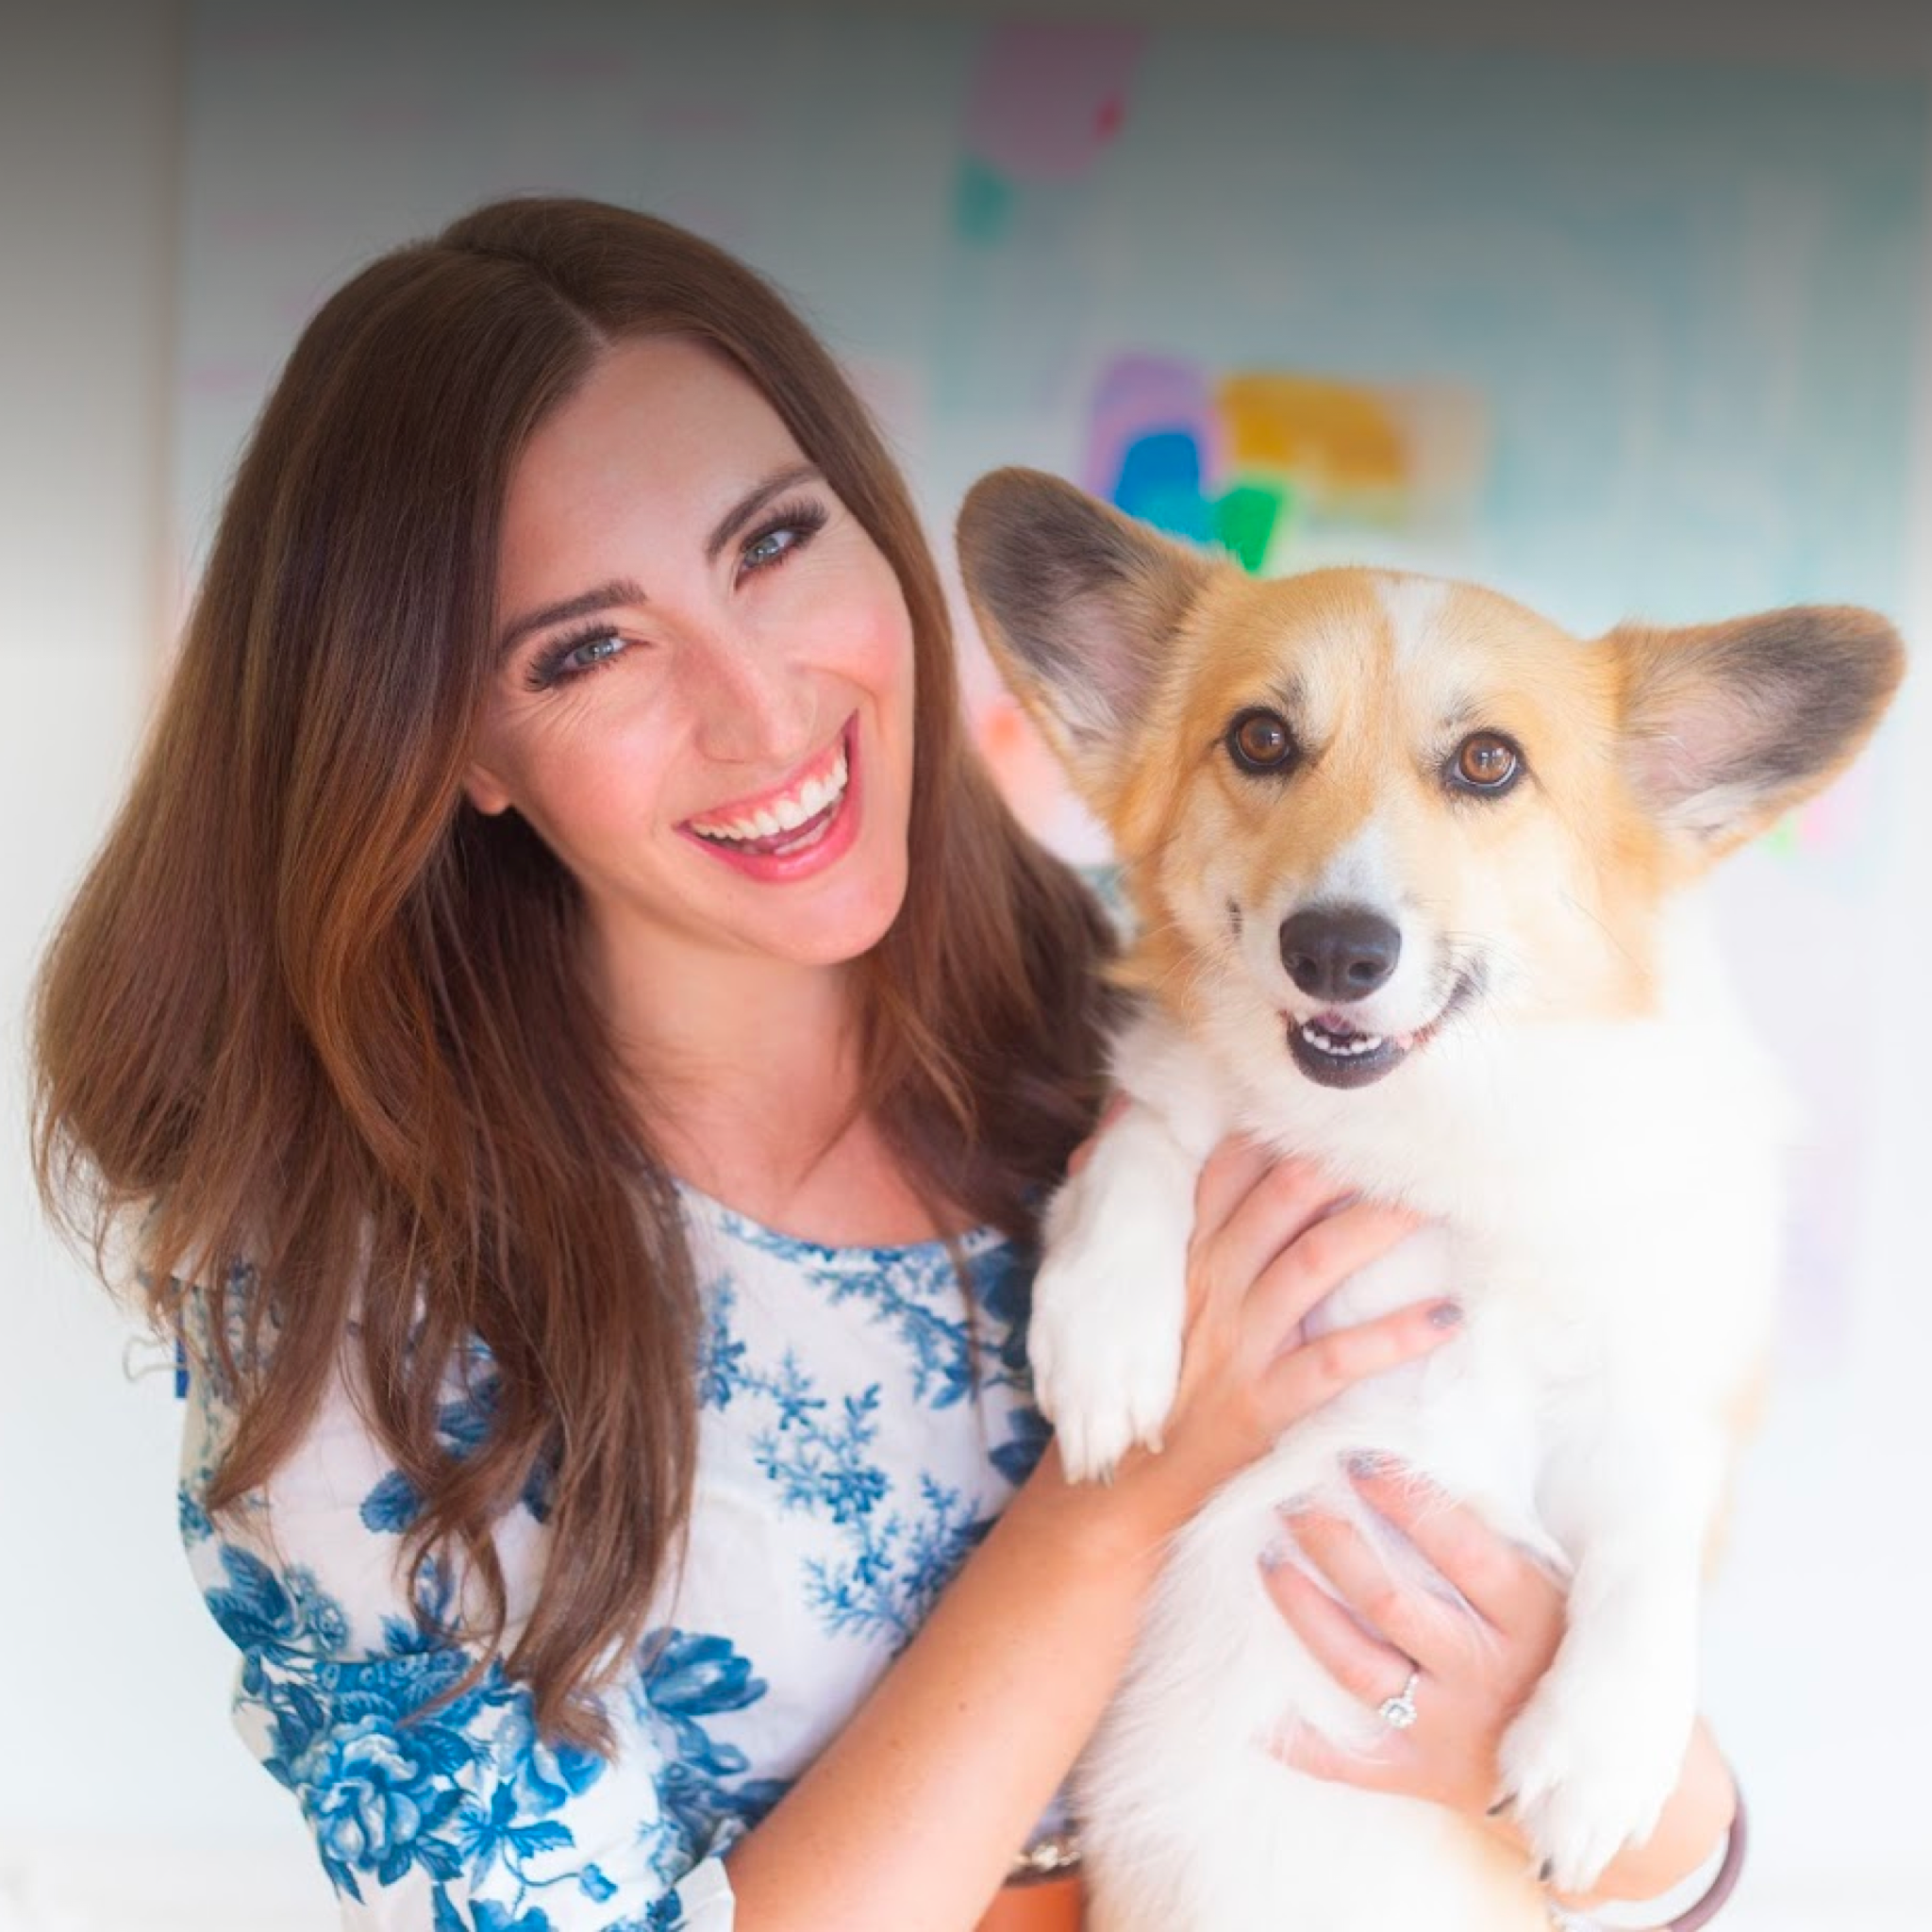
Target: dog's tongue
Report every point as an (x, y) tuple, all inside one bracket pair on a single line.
[(1336, 1026)]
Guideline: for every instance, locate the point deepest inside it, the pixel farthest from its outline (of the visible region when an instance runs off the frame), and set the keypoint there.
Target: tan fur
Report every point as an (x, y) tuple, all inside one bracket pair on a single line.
[(1385, 728)]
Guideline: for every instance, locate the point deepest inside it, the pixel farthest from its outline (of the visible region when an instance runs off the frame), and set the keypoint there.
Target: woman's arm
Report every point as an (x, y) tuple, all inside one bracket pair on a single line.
[(912, 1815)]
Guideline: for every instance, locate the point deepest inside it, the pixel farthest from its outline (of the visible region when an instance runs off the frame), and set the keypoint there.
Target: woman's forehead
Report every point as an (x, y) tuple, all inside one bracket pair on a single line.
[(660, 437)]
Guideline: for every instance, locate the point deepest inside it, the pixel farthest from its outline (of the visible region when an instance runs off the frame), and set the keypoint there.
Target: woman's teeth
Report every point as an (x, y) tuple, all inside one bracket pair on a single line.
[(783, 815)]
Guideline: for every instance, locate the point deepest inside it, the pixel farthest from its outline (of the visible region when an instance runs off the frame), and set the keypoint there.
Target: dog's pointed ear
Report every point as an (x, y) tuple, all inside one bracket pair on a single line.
[(1078, 605), (1727, 725)]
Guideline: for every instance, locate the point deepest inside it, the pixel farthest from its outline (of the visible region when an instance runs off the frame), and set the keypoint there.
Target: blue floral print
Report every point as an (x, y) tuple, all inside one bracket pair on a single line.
[(862, 1426)]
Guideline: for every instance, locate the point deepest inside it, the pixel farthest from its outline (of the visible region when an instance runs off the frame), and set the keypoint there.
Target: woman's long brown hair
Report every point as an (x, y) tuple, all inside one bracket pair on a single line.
[(312, 1013)]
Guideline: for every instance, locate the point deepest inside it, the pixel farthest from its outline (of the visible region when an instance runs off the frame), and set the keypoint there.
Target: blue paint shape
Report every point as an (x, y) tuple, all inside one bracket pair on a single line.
[(1160, 483)]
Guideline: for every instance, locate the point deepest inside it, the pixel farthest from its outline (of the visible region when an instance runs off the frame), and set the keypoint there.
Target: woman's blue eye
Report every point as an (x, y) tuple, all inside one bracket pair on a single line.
[(574, 656), (770, 547), (793, 525), (591, 651)]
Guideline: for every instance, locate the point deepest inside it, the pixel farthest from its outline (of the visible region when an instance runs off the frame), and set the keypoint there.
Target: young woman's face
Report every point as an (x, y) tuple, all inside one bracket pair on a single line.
[(704, 698)]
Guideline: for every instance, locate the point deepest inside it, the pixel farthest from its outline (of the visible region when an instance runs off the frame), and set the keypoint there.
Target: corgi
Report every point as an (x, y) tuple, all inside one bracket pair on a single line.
[(1414, 874)]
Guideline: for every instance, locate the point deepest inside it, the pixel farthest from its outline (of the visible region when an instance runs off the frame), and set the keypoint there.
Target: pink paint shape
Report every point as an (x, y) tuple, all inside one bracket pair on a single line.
[(1050, 97), (1139, 395)]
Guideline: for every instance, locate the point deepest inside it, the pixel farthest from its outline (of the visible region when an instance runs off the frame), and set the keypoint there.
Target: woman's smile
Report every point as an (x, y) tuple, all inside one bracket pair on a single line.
[(795, 830)]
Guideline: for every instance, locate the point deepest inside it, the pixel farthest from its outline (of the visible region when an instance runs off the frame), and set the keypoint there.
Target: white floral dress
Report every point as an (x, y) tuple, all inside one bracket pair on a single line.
[(859, 1432)]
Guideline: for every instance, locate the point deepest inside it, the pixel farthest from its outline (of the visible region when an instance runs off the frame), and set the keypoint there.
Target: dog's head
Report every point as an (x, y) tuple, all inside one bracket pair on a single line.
[(1371, 806)]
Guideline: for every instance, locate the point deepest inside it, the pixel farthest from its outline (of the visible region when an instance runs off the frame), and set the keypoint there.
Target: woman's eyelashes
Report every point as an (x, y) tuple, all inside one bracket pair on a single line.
[(573, 655), (786, 532), (789, 528)]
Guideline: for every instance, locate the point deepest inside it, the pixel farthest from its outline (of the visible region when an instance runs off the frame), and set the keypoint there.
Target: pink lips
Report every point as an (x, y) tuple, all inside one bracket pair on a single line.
[(785, 867)]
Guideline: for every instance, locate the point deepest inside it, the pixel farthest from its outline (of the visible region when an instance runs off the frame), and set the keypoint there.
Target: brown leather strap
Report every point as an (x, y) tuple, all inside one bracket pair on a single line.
[(1053, 1904)]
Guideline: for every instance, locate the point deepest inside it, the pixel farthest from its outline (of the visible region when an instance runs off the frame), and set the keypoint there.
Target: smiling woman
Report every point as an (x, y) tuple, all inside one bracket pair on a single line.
[(729, 711), (580, 1050)]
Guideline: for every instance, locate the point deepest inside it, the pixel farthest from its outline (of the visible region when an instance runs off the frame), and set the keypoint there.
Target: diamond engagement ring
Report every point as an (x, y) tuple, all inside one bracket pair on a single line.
[(1398, 1712)]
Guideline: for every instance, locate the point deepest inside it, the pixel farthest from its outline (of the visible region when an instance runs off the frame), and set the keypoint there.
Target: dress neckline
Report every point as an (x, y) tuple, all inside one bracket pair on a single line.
[(734, 1222)]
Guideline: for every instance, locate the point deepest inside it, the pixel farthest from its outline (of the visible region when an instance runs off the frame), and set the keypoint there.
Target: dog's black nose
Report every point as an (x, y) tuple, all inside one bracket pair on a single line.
[(1339, 952)]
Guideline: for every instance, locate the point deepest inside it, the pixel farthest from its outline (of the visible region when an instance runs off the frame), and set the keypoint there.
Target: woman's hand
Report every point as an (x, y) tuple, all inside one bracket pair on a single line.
[(1475, 1661), (1271, 1238), (1474, 1668)]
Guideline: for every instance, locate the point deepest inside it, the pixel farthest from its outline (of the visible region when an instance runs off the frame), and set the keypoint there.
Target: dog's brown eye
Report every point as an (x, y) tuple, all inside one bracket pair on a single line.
[(1486, 761), (1260, 742)]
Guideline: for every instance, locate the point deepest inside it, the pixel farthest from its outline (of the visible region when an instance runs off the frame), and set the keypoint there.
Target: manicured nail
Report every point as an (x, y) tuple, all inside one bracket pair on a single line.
[(1546, 1872), (1446, 1315), (1275, 1556), (1367, 1462), (1497, 1809)]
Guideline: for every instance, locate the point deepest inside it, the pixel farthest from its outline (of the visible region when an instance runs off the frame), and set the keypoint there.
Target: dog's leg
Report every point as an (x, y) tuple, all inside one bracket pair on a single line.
[(1596, 1752), (1110, 1303)]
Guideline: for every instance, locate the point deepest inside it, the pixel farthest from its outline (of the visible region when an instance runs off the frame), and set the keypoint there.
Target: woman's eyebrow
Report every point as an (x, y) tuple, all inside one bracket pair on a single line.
[(618, 591), (625, 591), (747, 507)]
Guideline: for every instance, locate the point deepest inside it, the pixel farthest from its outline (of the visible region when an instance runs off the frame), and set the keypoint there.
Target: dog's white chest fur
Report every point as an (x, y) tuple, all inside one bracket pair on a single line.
[(1602, 1203)]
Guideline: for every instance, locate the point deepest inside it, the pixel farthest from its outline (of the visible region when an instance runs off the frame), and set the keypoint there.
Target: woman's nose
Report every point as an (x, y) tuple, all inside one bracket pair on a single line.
[(750, 703)]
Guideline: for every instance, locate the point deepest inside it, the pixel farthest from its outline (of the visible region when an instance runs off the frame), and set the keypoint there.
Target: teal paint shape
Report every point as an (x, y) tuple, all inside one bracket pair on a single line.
[(982, 203)]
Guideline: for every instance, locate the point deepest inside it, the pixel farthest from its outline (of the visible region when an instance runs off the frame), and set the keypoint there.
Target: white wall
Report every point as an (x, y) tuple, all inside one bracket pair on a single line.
[(124, 1799), (122, 1794)]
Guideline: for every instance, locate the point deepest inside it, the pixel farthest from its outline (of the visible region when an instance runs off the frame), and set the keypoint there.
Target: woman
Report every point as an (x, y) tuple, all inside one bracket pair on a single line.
[(560, 826)]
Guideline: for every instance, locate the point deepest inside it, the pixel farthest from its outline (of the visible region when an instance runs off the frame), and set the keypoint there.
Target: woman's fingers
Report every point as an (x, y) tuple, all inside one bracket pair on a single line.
[(1306, 1375), (1505, 1585), (1404, 1615), (1287, 1205), (1361, 1663), (1228, 1178), (1322, 1257)]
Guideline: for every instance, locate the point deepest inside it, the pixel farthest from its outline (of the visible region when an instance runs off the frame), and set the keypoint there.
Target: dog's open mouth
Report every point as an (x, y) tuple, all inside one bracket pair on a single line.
[(1333, 1051)]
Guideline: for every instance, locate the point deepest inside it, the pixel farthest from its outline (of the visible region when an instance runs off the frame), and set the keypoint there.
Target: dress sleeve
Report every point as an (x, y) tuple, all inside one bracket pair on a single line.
[(435, 1805)]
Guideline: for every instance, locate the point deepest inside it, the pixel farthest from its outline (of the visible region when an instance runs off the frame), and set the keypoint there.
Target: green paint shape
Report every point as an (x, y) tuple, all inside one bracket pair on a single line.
[(982, 203), (1244, 519)]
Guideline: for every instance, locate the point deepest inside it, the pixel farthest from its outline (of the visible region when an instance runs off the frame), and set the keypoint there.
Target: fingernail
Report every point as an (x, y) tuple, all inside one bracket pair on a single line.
[(1275, 1556), (1546, 1872), (1446, 1315), (1367, 1462), (1497, 1809)]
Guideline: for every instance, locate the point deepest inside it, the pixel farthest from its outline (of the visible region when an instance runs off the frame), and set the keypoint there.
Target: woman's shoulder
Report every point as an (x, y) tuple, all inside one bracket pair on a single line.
[(327, 1530)]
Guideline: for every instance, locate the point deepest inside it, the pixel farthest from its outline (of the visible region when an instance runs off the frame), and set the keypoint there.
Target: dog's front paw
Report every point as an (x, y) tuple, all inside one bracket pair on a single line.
[(1587, 1769), (1111, 1299), (1106, 1350), (1105, 1375)]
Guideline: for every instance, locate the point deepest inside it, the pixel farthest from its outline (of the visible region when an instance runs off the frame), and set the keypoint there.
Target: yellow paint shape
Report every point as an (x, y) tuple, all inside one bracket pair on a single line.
[(1339, 436)]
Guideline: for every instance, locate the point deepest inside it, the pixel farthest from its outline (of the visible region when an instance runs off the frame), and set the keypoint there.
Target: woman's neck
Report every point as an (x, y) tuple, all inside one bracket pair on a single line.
[(747, 1075)]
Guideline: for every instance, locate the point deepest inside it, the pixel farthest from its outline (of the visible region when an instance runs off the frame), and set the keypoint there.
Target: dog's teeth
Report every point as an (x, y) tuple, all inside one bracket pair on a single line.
[(1340, 1045)]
